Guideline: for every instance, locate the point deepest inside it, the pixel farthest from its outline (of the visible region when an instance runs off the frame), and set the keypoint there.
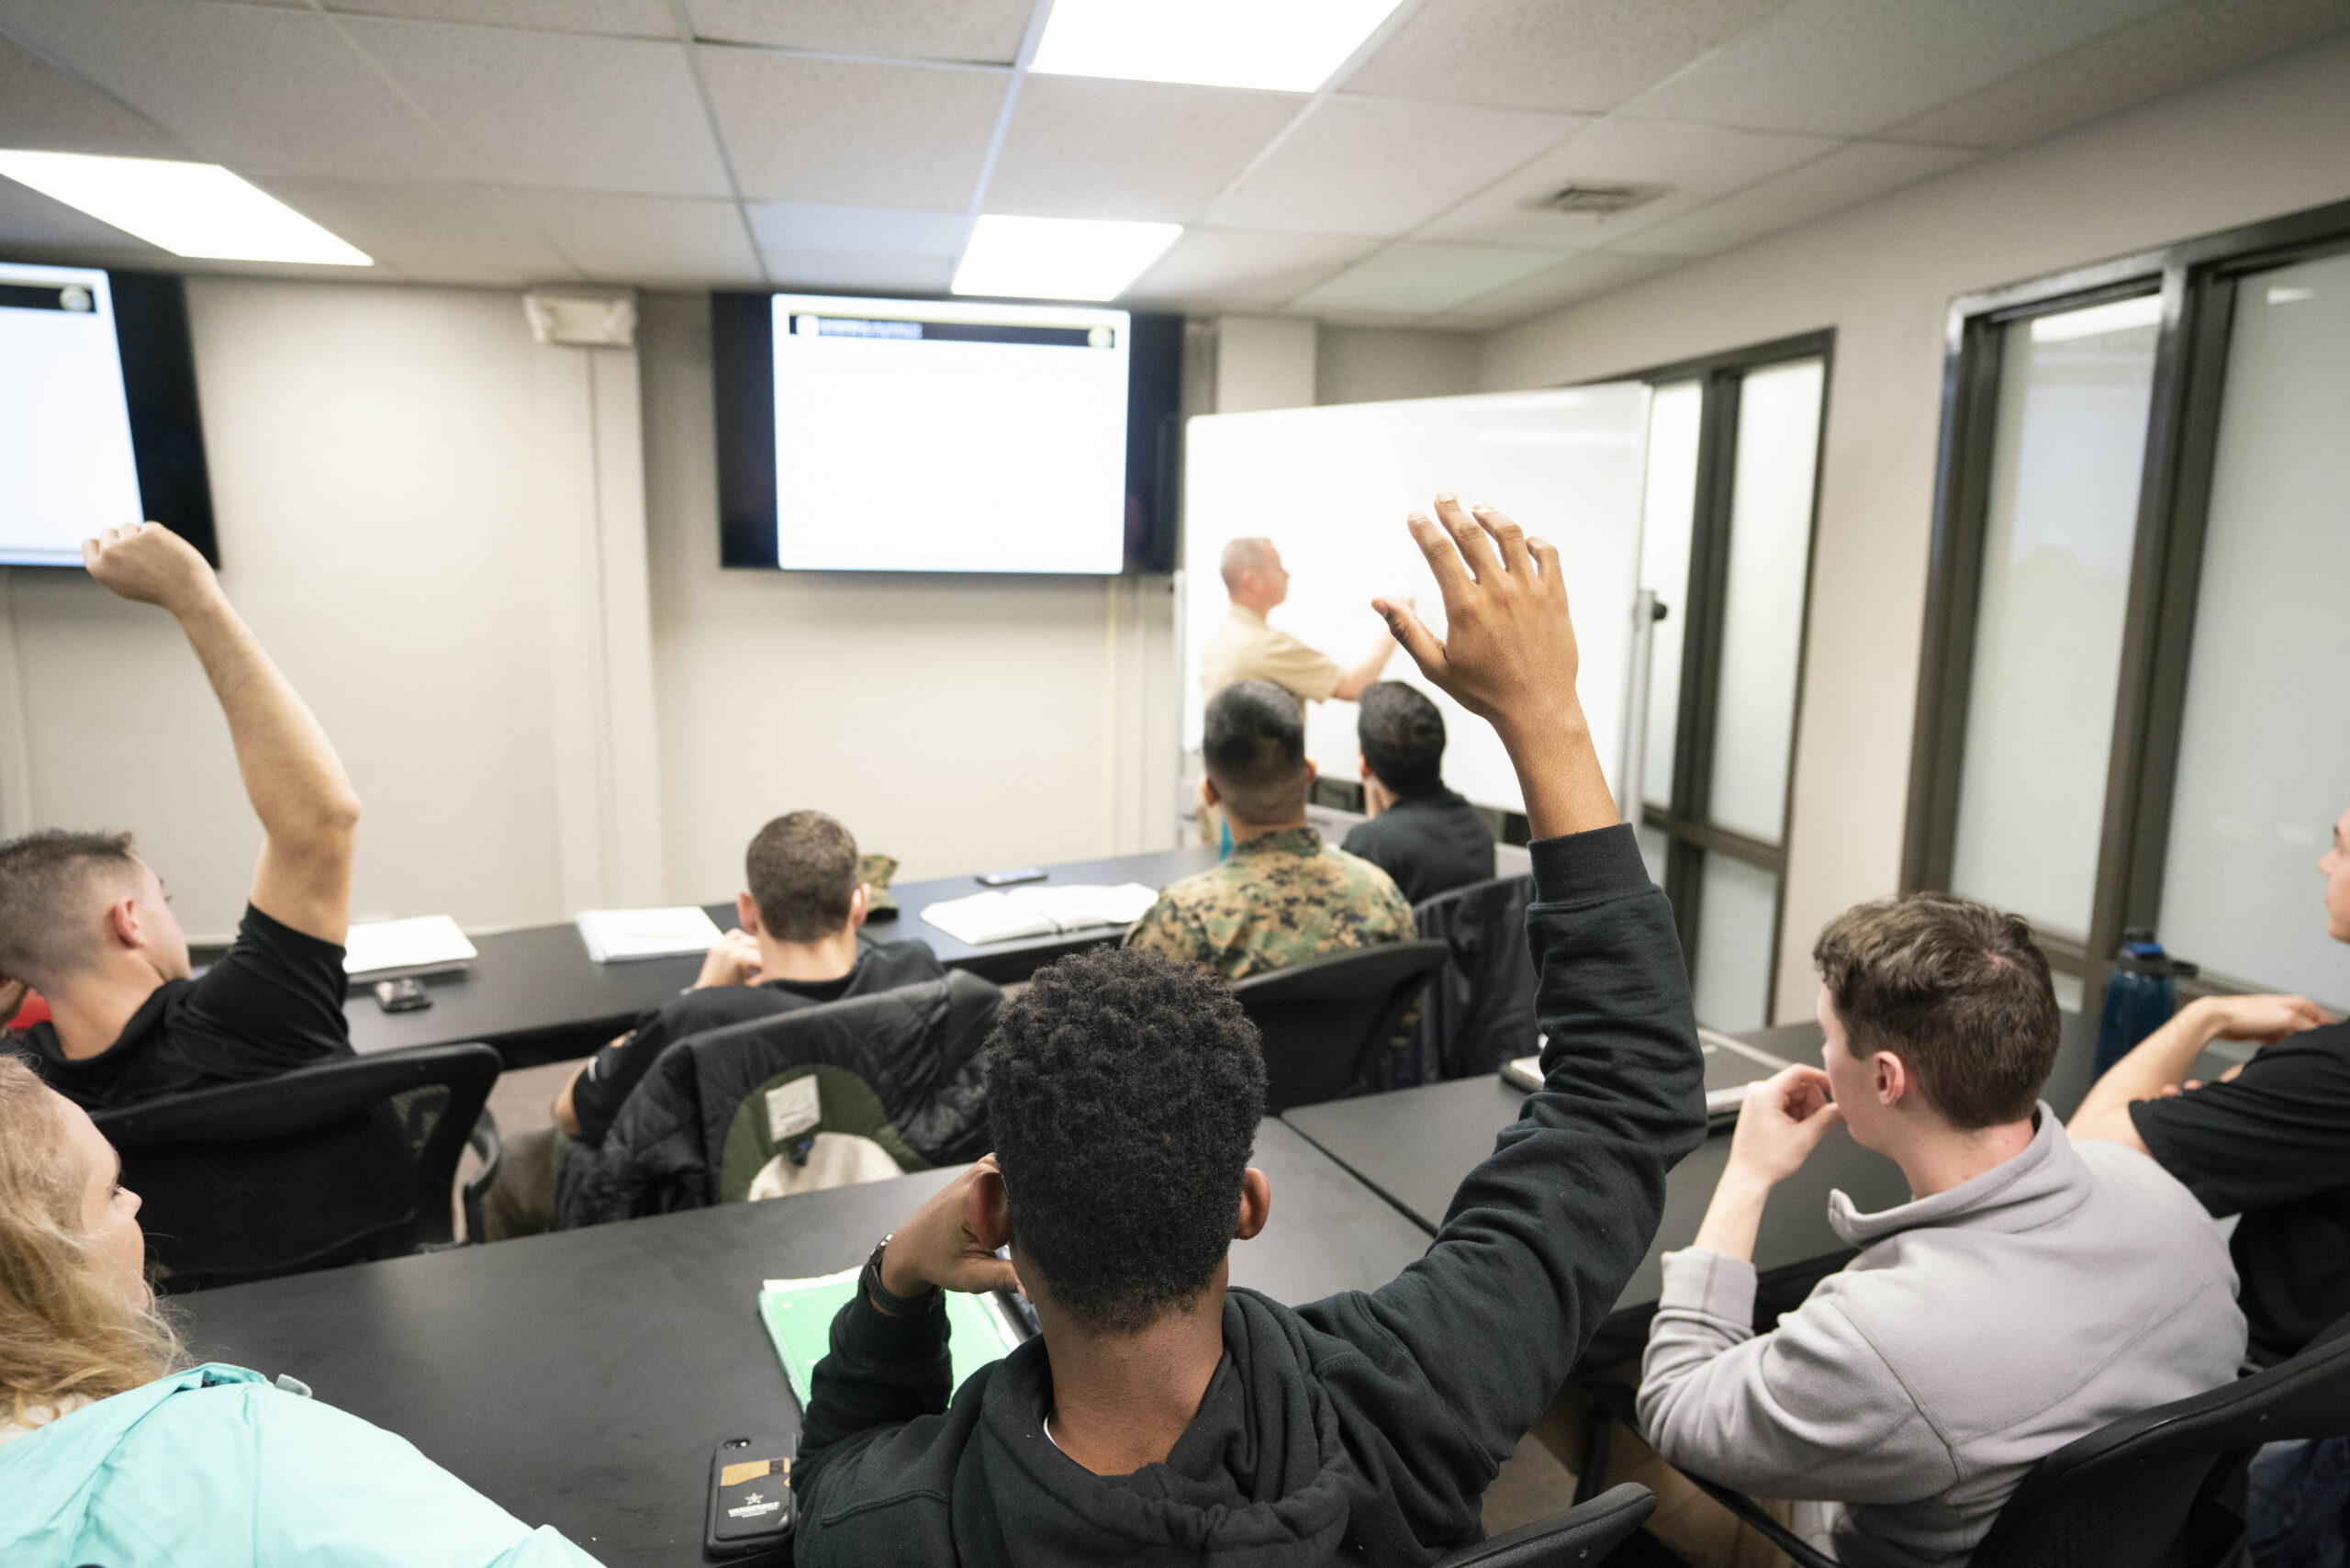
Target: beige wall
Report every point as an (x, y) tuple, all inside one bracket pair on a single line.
[(957, 723), (1374, 365), (2271, 140), (414, 501)]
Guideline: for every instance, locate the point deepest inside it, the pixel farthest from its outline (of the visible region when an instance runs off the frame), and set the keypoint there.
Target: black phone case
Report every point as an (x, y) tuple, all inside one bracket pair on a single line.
[(751, 1498)]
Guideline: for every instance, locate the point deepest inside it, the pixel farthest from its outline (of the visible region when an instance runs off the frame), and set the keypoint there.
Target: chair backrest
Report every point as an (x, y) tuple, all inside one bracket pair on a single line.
[(1324, 1023), (348, 1159), (1479, 1011), (1577, 1538), (2152, 1488)]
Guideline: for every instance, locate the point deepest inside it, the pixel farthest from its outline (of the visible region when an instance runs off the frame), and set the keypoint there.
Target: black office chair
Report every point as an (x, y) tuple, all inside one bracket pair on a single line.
[(2164, 1486), (346, 1160), (1326, 1023), (1480, 1008), (1584, 1535)]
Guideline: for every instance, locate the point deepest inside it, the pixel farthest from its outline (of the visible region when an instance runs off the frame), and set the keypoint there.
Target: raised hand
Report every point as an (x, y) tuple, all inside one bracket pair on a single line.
[(1508, 655), (148, 562)]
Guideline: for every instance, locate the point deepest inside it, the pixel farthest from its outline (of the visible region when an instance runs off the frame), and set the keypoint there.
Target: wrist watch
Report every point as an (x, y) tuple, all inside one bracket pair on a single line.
[(883, 1298)]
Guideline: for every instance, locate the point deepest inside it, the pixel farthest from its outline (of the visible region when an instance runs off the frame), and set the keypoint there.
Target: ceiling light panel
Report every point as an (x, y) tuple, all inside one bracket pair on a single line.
[(190, 210), (1282, 45), (1058, 258)]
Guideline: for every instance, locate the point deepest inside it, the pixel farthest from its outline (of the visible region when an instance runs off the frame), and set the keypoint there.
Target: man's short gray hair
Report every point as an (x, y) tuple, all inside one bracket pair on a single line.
[(1253, 554)]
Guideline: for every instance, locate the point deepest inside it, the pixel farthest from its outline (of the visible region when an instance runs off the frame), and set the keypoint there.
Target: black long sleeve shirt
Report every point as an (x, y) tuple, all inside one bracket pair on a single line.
[(1369, 1422)]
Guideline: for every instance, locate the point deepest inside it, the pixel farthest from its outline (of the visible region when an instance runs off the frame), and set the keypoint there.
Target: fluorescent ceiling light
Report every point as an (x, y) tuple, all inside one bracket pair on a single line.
[(1058, 258), (2096, 320), (2290, 296), (1284, 45), (190, 210)]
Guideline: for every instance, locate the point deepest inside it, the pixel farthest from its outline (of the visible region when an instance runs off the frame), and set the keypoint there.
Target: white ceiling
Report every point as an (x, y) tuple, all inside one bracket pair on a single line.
[(848, 143)]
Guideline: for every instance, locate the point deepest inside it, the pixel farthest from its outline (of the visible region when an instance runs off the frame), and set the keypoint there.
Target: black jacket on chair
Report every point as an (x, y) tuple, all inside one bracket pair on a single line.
[(917, 1047), (1479, 1010)]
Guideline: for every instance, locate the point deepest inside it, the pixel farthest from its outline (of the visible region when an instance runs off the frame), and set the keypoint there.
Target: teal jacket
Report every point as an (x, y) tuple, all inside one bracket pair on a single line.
[(215, 1467)]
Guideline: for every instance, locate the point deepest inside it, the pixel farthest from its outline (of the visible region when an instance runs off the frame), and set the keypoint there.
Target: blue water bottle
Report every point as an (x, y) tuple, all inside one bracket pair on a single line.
[(2140, 997)]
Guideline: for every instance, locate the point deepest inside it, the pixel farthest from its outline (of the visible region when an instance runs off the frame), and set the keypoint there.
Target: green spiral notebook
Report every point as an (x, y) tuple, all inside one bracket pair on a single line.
[(798, 1315)]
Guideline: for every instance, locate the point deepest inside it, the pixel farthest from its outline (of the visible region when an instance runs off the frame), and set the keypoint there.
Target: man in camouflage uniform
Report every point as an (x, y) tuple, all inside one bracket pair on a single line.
[(1283, 896)]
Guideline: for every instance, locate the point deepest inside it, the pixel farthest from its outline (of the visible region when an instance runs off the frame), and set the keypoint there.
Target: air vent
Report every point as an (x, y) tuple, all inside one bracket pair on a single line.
[(1601, 198)]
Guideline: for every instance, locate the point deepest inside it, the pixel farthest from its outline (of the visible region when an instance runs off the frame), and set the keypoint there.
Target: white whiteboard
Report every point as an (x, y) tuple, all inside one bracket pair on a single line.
[(1330, 487)]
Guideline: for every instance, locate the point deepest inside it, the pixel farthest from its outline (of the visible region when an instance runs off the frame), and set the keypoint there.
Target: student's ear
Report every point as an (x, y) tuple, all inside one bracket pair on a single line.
[(1207, 791), (1893, 1084), (987, 1209), (1309, 773), (747, 912), (120, 923), (1255, 1204), (1366, 770), (859, 903)]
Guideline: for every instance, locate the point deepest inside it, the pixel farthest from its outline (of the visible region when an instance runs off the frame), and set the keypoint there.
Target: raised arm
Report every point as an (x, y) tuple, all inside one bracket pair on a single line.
[(1541, 1236), (308, 813)]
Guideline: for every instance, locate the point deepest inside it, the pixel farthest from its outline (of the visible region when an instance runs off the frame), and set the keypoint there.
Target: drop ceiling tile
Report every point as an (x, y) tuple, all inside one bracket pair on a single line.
[(2129, 65), (558, 109), (852, 133), (1424, 278), (30, 220), (986, 30), (1699, 162), (889, 272), (646, 240), (1586, 55), (1082, 147), (1851, 173), (438, 233), (1579, 277), (813, 227), (266, 90), (1380, 166), (49, 110), (1852, 67), (626, 18), (1233, 270)]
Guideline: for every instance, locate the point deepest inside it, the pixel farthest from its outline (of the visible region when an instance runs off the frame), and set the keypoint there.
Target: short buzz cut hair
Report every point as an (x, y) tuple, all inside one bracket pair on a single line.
[(49, 885), (1402, 737), (1959, 991), (803, 872), (1245, 554), (1124, 1093), (1253, 742)]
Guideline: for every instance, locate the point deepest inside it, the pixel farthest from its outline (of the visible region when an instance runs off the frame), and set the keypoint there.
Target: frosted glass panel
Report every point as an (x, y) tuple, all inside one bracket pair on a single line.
[(2264, 754), (1653, 850), (1733, 979), (2065, 460), (1667, 509), (1770, 552)]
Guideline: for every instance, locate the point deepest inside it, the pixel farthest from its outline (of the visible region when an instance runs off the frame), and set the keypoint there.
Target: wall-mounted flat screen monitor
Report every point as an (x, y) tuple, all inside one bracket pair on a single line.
[(957, 435), (98, 423)]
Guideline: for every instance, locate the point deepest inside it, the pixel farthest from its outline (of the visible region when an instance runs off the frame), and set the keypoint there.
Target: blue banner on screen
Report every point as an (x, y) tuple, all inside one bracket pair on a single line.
[(66, 466), (946, 436)]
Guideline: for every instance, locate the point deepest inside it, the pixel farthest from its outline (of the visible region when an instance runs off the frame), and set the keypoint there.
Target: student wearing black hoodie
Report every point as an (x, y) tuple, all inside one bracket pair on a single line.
[(1161, 1417)]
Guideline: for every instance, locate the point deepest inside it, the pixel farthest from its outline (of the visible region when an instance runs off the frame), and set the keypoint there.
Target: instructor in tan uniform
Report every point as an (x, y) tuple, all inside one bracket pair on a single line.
[(1244, 648)]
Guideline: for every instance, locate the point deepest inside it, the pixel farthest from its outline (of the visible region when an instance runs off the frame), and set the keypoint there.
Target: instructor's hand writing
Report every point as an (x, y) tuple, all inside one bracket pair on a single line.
[(951, 1241), (1508, 652), (1783, 1120)]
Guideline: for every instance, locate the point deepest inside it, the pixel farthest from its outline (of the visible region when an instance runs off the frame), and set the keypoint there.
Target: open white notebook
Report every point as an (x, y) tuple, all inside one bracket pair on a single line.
[(1039, 911), (617, 935)]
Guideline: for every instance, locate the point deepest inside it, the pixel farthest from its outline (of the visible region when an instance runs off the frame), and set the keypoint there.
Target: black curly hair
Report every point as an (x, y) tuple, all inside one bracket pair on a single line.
[(1124, 1092)]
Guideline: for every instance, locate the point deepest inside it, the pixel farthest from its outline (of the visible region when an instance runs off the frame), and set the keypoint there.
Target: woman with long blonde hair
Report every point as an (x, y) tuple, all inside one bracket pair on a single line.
[(113, 1449)]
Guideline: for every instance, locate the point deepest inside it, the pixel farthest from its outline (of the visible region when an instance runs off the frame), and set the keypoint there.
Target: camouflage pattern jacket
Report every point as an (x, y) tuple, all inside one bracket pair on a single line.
[(1278, 899)]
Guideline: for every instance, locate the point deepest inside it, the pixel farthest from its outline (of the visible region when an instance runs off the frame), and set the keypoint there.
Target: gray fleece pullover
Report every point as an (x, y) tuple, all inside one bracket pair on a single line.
[(1978, 1331)]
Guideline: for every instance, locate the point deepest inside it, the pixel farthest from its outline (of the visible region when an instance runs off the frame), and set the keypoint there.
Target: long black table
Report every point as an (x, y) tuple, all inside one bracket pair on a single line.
[(582, 1379), (538, 997)]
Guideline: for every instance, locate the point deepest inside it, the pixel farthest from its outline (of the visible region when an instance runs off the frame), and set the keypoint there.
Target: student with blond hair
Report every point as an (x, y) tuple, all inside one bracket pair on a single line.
[(113, 1449)]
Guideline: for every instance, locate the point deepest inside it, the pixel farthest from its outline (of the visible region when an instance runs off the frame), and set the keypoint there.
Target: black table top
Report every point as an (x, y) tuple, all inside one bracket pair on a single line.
[(1414, 1145), (537, 996), (582, 1379)]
